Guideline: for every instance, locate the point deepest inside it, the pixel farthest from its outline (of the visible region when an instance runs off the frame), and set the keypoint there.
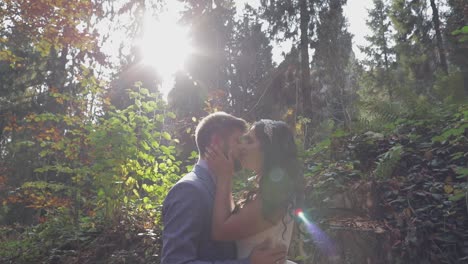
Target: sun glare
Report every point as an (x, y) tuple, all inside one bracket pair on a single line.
[(165, 46)]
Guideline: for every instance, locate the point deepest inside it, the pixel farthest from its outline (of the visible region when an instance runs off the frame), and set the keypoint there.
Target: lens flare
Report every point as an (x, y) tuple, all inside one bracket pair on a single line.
[(320, 238)]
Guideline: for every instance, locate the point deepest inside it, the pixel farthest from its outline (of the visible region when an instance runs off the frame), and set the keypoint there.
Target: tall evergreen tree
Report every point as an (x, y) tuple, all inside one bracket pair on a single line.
[(290, 20), (232, 55), (380, 51), (251, 56), (413, 44), (440, 45), (131, 68), (332, 58), (212, 27), (457, 17)]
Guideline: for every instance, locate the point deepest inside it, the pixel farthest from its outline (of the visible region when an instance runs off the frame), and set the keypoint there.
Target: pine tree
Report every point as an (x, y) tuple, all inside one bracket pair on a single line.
[(413, 44), (380, 51), (212, 29), (251, 54), (290, 20), (440, 45), (456, 18), (332, 58)]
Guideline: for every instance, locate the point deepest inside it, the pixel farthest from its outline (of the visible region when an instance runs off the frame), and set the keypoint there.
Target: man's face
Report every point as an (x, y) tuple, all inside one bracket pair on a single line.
[(233, 143)]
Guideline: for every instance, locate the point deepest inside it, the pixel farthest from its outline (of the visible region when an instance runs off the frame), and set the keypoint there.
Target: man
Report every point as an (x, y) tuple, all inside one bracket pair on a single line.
[(187, 209)]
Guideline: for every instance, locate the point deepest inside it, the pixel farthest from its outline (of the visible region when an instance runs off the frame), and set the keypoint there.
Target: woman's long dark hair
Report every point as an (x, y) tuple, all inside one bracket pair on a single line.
[(282, 184)]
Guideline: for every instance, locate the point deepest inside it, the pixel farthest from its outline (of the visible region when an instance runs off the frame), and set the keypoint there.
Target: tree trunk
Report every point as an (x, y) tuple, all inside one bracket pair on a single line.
[(306, 108), (305, 67), (440, 45), (385, 53)]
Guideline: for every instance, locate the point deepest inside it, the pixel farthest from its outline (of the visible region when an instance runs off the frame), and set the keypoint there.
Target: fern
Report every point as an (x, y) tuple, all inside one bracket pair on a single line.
[(379, 116), (388, 162)]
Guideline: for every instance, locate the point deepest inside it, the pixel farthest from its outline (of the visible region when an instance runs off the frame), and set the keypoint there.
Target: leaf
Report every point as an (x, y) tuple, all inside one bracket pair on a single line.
[(189, 168), (144, 91), (171, 115), (464, 30), (448, 188), (166, 136), (457, 197), (457, 155), (462, 172), (145, 145), (408, 212), (339, 133), (130, 181)]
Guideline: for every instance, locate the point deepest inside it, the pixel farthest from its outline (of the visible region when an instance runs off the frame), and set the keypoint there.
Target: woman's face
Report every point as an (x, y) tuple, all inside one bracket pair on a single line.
[(252, 157)]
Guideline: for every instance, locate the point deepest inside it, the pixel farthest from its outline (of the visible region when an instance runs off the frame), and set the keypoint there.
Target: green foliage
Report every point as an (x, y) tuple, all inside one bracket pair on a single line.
[(323, 147), (455, 131), (134, 162), (333, 62), (388, 161), (320, 147), (23, 249), (121, 163), (380, 51), (462, 172), (378, 116), (462, 33), (35, 242), (413, 44), (192, 159), (388, 116), (450, 88), (79, 162)]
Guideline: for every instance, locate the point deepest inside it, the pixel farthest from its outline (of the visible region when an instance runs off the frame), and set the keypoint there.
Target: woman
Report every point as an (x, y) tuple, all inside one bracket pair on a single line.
[(266, 214)]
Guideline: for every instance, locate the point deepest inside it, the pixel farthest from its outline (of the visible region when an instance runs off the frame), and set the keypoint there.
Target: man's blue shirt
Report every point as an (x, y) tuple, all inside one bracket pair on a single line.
[(186, 213)]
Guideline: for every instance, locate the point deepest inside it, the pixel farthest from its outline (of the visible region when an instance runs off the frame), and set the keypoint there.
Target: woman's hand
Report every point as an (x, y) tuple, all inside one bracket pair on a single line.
[(223, 169), (227, 226), (221, 166)]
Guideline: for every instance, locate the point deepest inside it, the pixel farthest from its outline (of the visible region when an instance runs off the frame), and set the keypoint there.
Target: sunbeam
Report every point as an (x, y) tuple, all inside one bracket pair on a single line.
[(320, 238)]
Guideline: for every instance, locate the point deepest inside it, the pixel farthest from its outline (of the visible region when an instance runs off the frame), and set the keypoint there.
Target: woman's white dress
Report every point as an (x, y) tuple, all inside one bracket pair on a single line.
[(280, 233)]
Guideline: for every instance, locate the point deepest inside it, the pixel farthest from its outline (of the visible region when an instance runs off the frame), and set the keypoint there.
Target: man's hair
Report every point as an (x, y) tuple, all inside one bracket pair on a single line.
[(219, 123)]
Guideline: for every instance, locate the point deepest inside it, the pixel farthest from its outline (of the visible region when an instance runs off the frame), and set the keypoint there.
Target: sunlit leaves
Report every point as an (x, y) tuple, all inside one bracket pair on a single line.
[(166, 136), (125, 156)]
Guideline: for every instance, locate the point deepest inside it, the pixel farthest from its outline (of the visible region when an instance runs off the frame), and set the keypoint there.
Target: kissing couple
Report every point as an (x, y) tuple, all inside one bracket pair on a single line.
[(203, 224)]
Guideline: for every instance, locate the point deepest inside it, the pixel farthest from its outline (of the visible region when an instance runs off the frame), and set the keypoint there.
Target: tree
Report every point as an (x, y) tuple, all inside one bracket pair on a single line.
[(380, 51), (212, 26), (130, 18), (440, 45), (250, 53), (40, 57), (413, 44), (332, 59), (457, 17), (288, 21)]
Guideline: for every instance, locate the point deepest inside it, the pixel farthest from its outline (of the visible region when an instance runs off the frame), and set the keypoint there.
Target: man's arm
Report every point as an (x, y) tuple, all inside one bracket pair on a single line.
[(183, 223)]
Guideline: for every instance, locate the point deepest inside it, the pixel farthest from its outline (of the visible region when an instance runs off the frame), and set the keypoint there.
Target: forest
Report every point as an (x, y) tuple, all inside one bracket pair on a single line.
[(99, 101)]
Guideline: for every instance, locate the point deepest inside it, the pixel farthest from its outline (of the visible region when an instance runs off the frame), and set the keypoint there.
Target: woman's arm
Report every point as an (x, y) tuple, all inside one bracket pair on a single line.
[(248, 220), (244, 223)]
